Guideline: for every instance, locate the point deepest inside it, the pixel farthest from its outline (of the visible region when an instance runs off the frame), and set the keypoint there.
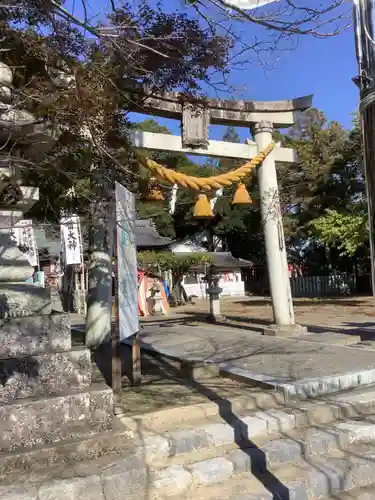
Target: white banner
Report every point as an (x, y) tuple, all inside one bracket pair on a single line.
[(126, 262), (24, 236), (71, 240)]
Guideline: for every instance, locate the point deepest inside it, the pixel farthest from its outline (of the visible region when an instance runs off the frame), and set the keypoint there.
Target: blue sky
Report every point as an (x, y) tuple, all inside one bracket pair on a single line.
[(323, 67)]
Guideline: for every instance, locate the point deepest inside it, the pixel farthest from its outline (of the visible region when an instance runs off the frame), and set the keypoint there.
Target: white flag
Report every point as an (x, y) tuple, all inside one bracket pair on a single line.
[(71, 240), (24, 236)]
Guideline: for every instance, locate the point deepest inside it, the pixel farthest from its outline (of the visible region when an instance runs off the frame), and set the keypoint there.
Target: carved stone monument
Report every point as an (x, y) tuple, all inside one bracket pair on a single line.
[(46, 395)]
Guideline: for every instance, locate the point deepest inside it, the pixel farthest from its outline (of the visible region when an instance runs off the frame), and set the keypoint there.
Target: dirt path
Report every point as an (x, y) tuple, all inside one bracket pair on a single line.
[(345, 313)]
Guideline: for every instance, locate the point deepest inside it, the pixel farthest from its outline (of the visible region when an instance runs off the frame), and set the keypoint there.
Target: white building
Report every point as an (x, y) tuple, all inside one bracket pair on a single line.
[(227, 267)]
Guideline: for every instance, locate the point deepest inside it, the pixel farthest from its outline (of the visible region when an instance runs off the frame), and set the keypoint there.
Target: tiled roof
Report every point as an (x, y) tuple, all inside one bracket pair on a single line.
[(223, 261), (146, 236)]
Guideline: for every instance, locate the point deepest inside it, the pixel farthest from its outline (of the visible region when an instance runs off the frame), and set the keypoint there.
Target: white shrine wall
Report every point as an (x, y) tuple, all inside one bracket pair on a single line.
[(230, 282)]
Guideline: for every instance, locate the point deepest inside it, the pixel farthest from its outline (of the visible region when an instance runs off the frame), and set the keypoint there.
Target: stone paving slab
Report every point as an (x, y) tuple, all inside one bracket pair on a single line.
[(298, 368), (333, 338)]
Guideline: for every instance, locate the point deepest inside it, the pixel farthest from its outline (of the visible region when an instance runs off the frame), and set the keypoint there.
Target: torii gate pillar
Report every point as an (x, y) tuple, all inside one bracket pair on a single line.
[(276, 256)]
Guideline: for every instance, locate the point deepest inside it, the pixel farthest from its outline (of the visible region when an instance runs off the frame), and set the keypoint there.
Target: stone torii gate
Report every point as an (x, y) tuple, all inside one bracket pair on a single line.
[(261, 117)]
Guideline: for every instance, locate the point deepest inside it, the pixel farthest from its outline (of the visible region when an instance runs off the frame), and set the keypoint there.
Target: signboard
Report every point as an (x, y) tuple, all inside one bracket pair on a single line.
[(24, 236), (71, 240), (126, 262)]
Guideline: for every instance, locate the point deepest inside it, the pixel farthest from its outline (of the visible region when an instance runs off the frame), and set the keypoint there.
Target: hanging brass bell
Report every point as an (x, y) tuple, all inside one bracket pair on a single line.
[(202, 208), (241, 196), (154, 192)]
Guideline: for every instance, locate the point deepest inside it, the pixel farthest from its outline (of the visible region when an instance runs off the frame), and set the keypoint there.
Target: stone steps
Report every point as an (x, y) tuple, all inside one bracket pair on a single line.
[(341, 477), (30, 465), (295, 451), (347, 404), (207, 438), (312, 476), (259, 417), (36, 421), (44, 374), (365, 493), (204, 462), (307, 461)]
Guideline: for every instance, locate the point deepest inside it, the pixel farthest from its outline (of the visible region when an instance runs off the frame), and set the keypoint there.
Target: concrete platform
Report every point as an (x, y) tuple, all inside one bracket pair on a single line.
[(297, 368), (333, 338)]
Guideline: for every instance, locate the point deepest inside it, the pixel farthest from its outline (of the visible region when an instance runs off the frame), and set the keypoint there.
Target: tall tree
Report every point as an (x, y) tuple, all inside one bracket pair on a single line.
[(306, 188), (80, 85)]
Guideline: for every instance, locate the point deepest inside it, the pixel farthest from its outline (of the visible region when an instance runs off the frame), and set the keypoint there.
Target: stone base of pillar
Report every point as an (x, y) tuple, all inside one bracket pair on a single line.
[(213, 318), (46, 393), (214, 296), (285, 331)]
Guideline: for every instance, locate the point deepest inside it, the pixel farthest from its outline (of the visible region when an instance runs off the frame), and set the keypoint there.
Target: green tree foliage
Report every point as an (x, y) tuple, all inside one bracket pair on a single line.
[(309, 187), (346, 232), (330, 200), (164, 261)]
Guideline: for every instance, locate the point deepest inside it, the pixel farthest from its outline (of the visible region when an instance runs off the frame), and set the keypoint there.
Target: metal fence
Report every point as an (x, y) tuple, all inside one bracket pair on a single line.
[(321, 286), (256, 283)]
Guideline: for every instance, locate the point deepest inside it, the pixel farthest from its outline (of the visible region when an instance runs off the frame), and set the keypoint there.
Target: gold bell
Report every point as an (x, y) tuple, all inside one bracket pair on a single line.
[(241, 196), (154, 192), (202, 208)]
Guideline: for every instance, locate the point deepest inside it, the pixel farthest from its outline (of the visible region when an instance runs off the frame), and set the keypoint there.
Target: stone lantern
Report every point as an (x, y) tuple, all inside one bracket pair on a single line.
[(46, 395), (214, 291)]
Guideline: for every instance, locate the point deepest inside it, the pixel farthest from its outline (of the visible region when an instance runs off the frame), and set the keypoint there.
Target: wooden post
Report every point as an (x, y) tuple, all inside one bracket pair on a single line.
[(115, 337), (76, 293), (136, 360), (83, 286)]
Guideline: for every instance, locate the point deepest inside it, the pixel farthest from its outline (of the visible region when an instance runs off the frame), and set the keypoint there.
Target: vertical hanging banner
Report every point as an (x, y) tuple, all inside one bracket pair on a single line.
[(24, 236), (127, 262), (71, 240)]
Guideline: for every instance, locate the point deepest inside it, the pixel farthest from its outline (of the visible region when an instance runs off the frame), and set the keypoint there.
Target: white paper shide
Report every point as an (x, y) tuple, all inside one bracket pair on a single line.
[(71, 240)]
